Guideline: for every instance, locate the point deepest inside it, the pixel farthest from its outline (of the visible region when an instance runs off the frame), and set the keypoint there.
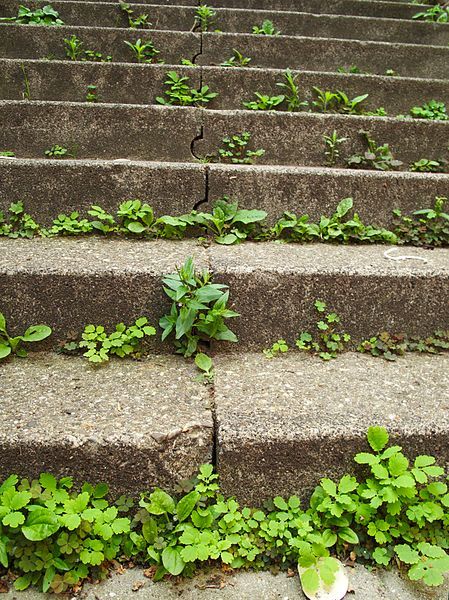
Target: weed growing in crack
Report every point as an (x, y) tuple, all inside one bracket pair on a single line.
[(143, 51), (267, 28), (426, 165), (425, 227), (91, 94), (236, 60), (433, 110), (434, 14), (180, 94), (327, 101), (290, 87), (74, 51), (46, 15), (134, 22), (19, 224), (264, 102), (390, 346), (204, 17), (236, 150), (10, 345), (57, 151), (199, 309), (205, 365), (279, 347), (327, 342), (7, 154), (377, 157), (332, 144)]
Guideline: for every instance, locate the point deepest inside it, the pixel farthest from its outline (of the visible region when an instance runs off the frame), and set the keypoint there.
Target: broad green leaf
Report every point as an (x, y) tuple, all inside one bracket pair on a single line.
[(424, 461), (36, 333), (280, 503), (40, 524), (203, 362), (160, 503), (3, 554), (347, 484), (377, 438), (149, 530), (136, 227), (406, 554), (172, 561), (348, 535), (186, 505), (71, 521), (310, 580), (48, 481), (48, 578), (13, 519), (249, 216), (5, 351), (365, 458), (398, 464), (22, 583)]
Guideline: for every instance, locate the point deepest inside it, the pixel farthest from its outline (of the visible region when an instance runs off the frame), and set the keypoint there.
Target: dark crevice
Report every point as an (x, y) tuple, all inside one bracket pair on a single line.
[(215, 427), (205, 198)]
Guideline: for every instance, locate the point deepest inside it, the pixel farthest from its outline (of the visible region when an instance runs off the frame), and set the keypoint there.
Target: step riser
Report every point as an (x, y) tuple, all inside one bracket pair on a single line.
[(140, 84), (51, 188), (91, 132), (327, 55), (292, 23), (18, 41), (120, 131), (369, 292)]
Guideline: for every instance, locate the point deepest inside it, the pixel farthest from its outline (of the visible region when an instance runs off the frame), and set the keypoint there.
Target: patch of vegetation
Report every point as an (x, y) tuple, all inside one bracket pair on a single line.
[(92, 94), (434, 14), (426, 165), (46, 15), (377, 157), (326, 341), (395, 512), (290, 87), (7, 153), (134, 22), (236, 60), (57, 151), (19, 223), (143, 51), (198, 311), (204, 17), (327, 101), (279, 347), (180, 94), (236, 150), (433, 110), (390, 346), (332, 151), (264, 102), (425, 227), (13, 345), (122, 342), (74, 51), (267, 28)]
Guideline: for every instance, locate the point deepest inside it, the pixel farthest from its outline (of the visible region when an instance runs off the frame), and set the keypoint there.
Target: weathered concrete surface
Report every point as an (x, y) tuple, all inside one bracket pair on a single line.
[(317, 191), (213, 583), (283, 424), (52, 187), (141, 84), (17, 41), (132, 424), (68, 283), (393, 10), (181, 18), (67, 81), (297, 138), (99, 131), (273, 287), (320, 54)]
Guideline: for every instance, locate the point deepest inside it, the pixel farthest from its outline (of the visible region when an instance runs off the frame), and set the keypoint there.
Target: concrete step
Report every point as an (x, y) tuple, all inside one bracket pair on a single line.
[(321, 54), (105, 131), (181, 18), (68, 283), (285, 423), (141, 84), (52, 187), (18, 41), (132, 424)]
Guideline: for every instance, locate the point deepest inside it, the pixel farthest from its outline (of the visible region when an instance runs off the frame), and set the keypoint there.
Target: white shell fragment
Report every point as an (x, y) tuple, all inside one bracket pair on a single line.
[(337, 591)]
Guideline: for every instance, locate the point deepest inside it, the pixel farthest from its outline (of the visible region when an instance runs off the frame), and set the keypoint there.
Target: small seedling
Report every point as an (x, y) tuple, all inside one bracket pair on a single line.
[(19, 223), (327, 101), (426, 165), (57, 151), (7, 154), (236, 60), (236, 151), (327, 342), (390, 346), (433, 110), (391, 73), (180, 94), (290, 88), (46, 15), (376, 157), (263, 102), (144, 51), (206, 366), (13, 345), (134, 22), (74, 48), (198, 311), (92, 94), (434, 14), (351, 69), (204, 17), (267, 28), (279, 347), (333, 143)]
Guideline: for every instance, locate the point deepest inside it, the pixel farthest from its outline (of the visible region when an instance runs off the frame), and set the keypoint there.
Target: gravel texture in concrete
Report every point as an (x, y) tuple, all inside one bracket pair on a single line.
[(213, 584), (285, 423), (52, 187), (134, 425)]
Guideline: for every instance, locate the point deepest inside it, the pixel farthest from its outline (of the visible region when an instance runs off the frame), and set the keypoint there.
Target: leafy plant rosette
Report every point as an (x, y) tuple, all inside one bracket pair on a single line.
[(198, 311), (13, 345)]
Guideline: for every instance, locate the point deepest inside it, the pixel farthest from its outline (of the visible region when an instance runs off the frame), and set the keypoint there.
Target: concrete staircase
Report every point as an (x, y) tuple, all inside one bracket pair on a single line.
[(272, 427)]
